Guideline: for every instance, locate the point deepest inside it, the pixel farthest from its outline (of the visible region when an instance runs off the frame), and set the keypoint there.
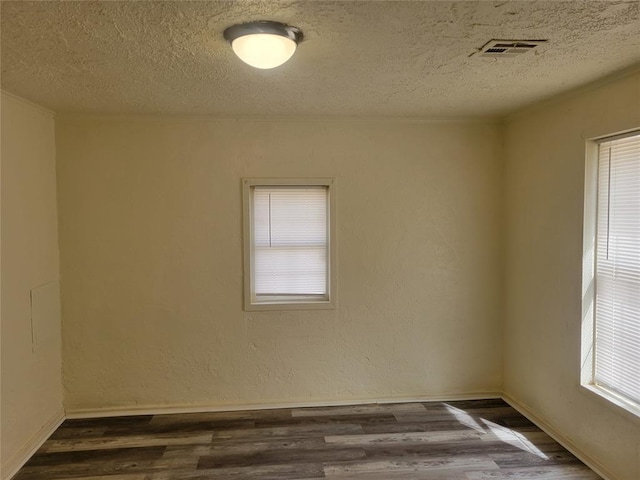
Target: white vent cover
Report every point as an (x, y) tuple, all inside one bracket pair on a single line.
[(508, 48)]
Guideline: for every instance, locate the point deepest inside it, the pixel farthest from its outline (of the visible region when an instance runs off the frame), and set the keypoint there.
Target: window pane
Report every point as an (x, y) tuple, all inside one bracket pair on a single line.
[(617, 352), (291, 271), (290, 235)]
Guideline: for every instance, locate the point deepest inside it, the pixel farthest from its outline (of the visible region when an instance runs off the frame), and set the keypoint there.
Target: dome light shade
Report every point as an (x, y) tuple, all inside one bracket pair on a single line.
[(263, 44), (264, 50)]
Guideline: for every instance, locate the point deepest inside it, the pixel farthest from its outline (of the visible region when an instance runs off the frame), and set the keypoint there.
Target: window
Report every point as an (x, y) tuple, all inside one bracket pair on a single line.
[(289, 249), (612, 286)]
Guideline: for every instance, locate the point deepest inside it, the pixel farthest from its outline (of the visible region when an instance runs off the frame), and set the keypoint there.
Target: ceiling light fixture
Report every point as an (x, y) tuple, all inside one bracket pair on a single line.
[(263, 44)]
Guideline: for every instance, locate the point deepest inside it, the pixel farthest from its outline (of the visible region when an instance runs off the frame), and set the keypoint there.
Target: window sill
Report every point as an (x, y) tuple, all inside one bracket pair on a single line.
[(622, 406), (282, 306)]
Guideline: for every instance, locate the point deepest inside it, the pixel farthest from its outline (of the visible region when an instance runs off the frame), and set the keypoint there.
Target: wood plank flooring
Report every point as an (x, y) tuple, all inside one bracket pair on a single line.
[(462, 440)]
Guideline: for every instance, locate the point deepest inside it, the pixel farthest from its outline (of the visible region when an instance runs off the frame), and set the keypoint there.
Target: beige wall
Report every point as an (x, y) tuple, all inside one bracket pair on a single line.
[(544, 178), (31, 380), (151, 258), (150, 232)]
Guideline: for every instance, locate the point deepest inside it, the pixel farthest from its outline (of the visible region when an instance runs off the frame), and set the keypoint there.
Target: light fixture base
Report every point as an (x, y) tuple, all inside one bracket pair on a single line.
[(266, 27)]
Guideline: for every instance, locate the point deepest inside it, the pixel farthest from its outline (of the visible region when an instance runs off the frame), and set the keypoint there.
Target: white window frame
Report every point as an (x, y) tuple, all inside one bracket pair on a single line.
[(251, 303), (623, 405)]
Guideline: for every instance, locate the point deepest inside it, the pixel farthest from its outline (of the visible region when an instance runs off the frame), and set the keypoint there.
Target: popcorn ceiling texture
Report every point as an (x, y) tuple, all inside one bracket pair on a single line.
[(358, 58)]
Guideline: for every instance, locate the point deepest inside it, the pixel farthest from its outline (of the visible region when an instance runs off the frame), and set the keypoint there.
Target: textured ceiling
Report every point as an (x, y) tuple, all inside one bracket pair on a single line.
[(400, 58)]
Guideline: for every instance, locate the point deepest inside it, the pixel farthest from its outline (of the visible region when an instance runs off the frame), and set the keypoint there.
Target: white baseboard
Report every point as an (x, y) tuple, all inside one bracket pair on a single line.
[(554, 433), (22, 456), (167, 409)]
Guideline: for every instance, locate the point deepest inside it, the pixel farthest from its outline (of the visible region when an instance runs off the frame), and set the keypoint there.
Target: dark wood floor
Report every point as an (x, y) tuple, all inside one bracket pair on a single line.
[(463, 440)]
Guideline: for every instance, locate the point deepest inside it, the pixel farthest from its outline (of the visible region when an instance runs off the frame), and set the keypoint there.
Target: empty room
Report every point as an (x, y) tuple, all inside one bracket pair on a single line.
[(320, 239)]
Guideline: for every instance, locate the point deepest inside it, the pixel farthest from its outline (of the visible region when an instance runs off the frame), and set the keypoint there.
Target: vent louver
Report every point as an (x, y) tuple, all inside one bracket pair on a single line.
[(507, 48)]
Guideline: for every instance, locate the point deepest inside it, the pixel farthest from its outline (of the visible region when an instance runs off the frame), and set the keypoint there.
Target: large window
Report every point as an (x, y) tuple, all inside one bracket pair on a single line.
[(288, 244), (615, 270)]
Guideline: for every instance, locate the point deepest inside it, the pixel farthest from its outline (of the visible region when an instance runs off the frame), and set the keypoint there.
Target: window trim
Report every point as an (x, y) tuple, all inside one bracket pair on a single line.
[(307, 302), (621, 404)]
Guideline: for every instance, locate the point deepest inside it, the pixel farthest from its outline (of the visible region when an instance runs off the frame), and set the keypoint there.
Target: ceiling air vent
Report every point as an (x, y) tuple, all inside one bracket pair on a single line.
[(508, 48)]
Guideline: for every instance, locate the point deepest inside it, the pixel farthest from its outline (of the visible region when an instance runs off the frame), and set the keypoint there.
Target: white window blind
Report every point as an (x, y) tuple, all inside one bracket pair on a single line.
[(617, 268), (290, 242)]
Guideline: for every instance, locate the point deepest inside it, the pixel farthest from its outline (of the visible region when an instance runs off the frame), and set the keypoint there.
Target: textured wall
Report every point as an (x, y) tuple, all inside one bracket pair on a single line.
[(545, 152), (151, 261), (31, 381)]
